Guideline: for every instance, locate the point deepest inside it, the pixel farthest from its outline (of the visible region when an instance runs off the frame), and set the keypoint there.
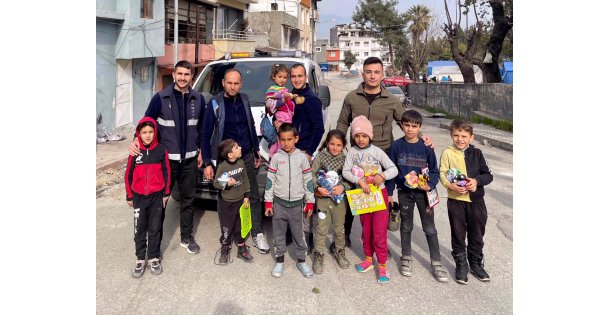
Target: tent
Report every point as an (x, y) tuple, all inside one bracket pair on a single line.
[(450, 68), (506, 72)]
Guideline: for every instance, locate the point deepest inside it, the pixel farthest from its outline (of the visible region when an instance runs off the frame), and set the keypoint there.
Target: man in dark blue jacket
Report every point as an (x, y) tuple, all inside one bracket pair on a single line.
[(179, 110), (228, 116), (308, 117)]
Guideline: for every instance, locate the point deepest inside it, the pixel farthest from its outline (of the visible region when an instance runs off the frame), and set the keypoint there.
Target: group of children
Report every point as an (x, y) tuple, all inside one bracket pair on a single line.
[(290, 193)]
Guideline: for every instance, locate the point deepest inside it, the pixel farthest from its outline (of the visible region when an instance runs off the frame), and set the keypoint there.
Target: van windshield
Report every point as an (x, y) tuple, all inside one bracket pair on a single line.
[(256, 78)]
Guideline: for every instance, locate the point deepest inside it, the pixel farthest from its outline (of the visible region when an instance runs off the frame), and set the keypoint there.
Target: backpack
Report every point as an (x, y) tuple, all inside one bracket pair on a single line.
[(269, 133)]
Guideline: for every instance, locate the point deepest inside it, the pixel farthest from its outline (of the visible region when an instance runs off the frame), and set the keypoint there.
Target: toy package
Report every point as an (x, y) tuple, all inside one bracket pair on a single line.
[(455, 176), (361, 202), (329, 180)]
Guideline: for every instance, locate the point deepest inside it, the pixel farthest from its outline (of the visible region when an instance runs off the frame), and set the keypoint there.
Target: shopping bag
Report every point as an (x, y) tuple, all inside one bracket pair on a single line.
[(245, 214), (361, 202)]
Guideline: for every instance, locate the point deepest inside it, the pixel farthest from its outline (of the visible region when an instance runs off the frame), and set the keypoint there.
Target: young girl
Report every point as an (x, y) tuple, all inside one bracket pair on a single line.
[(373, 225), (279, 102), (330, 158)]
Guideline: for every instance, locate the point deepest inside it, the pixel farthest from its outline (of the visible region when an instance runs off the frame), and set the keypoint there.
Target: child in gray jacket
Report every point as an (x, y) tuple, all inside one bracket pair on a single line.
[(288, 186)]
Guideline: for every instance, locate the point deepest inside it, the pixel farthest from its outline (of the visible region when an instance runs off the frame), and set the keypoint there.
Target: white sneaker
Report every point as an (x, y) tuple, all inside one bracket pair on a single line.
[(259, 241)]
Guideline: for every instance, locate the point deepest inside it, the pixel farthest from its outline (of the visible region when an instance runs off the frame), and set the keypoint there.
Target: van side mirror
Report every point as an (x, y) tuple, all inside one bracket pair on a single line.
[(324, 95)]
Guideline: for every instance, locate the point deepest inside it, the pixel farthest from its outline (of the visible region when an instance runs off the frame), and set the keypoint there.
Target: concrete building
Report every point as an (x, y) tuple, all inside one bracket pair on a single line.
[(333, 57), (320, 50), (362, 41), (129, 35), (290, 24)]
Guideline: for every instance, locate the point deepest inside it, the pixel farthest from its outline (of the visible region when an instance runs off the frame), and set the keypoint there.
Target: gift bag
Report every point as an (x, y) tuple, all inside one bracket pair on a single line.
[(245, 214)]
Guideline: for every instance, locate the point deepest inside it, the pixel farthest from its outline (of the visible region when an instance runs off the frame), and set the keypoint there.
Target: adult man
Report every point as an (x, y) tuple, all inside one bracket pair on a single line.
[(308, 119), (381, 107), (179, 111), (228, 116)]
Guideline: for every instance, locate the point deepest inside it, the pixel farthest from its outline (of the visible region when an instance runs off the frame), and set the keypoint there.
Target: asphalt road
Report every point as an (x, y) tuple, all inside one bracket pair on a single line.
[(193, 284)]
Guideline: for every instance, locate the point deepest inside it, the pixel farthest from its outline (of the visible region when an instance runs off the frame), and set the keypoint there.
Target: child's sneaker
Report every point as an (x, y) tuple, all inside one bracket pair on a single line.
[(277, 271), (365, 266), (140, 267), (156, 267), (383, 276), (341, 258), (243, 253), (406, 268), (224, 255), (305, 269), (439, 272)]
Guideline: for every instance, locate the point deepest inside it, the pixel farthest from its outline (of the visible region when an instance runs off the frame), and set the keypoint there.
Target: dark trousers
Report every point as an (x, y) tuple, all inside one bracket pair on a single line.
[(407, 201), (467, 221), (230, 221), (348, 221), (147, 224), (184, 175), (254, 194)]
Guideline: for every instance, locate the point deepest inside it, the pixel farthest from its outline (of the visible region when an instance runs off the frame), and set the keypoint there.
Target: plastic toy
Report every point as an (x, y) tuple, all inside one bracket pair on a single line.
[(329, 180)]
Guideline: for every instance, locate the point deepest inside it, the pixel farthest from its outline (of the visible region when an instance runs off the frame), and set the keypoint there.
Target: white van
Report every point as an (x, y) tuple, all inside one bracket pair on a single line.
[(256, 80)]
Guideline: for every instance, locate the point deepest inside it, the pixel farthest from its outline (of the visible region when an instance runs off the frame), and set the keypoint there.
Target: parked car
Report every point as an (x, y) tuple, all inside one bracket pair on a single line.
[(395, 90), (256, 80)]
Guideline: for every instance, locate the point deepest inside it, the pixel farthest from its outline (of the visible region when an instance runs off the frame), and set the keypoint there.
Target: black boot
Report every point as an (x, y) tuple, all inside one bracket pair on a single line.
[(476, 262), (462, 267), (309, 242), (224, 255)]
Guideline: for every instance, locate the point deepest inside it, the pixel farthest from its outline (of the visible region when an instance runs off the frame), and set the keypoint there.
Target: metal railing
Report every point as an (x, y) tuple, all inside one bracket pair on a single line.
[(235, 35)]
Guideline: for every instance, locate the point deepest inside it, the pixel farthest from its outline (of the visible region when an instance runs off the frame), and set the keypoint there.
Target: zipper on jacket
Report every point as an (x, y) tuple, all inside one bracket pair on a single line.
[(147, 171), (289, 158)]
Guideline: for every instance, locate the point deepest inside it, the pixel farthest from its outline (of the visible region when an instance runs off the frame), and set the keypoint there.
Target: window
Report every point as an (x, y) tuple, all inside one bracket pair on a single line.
[(187, 23), (147, 9), (357, 54), (274, 6), (357, 44), (366, 54), (318, 49), (332, 54), (366, 44), (347, 44)]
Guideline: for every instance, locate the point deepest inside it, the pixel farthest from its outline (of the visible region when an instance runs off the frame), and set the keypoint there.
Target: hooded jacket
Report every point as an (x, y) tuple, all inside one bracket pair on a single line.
[(470, 162), (149, 172)]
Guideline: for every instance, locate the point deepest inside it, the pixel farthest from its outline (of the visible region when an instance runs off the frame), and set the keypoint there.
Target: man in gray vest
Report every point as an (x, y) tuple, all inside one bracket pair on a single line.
[(179, 111), (228, 116)]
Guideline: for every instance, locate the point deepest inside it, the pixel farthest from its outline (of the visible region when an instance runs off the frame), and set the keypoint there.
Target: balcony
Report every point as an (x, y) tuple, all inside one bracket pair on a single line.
[(232, 41)]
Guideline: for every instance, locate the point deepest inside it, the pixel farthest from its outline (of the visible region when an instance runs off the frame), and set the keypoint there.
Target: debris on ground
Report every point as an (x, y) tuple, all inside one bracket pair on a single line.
[(438, 115), (316, 290)]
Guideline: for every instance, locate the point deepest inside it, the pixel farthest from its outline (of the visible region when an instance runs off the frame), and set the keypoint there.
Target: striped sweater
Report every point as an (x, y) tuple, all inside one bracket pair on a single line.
[(274, 100)]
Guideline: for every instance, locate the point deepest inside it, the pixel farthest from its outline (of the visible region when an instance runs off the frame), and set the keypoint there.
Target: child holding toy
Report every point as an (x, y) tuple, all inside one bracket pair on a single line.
[(330, 202), (466, 206), (412, 157), (373, 225)]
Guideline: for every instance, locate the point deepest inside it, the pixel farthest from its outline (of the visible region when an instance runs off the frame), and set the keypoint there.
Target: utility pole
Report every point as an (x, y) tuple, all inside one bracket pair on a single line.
[(175, 42)]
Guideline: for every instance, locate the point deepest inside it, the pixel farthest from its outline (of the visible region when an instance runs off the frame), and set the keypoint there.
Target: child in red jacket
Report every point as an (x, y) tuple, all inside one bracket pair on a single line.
[(147, 181)]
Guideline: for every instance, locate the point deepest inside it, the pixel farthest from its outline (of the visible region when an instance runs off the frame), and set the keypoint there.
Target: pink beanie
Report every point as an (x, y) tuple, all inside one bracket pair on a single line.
[(362, 125)]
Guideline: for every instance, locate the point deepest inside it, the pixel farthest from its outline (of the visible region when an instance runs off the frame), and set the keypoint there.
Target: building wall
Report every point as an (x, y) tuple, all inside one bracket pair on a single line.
[(495, 99), (143, 86), (132, 43), (289, 7), (271, 22), (105, 83), (229, 45)]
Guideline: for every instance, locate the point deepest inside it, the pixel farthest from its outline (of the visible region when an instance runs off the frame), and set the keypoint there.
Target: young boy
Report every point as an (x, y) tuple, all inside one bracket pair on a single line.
[(147, 180), (232, 182), (466, 206), (410, 154), (288, 186)]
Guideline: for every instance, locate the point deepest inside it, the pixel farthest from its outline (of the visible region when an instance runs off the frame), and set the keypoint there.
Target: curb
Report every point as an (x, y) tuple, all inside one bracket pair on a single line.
[(115, 164), (492, 141)]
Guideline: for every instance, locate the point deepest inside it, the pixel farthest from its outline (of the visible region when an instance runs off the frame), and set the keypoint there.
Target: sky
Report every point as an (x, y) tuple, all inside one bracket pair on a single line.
[(342, 10)]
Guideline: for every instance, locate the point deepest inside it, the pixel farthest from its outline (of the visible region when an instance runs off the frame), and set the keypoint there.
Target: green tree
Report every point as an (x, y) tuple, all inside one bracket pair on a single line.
[(418, 19), (349, 59), (384, 19)]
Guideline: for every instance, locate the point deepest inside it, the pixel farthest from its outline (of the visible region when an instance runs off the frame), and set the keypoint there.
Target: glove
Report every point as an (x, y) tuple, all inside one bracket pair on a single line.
[(308, 209)]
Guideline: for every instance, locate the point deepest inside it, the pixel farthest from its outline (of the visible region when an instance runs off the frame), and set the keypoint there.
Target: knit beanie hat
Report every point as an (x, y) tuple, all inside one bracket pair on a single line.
[(362, 125)]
